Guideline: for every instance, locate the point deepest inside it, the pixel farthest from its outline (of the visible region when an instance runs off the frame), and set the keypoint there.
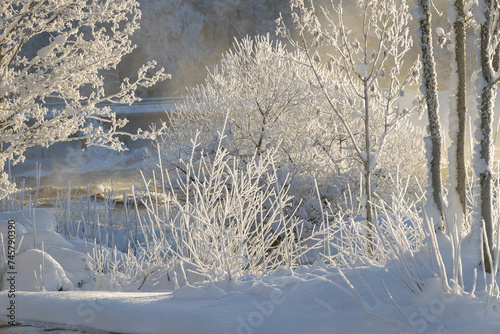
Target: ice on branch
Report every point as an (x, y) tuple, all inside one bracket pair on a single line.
[(87, 37)]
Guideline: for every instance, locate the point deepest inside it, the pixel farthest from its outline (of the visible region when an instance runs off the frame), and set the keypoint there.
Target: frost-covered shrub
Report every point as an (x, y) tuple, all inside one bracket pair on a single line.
[(259, 100), (368, 76), (221, 218), (398, 227), (402, 157), (262, 98)]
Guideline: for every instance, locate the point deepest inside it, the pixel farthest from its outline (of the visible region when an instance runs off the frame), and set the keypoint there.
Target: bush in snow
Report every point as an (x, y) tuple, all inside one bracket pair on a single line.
[(220, 218), (368, 73), (258, 100), (263, 98)]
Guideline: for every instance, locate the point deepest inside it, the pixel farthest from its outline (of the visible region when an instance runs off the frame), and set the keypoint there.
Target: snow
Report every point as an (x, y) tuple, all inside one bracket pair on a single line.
[(4, 227), (479, 10), (451, 11), (300, 301), (286, 302), (45, 51), (61, 39), (32, 275), (312, 298), (76, 265), (44, 220), (49, 238)]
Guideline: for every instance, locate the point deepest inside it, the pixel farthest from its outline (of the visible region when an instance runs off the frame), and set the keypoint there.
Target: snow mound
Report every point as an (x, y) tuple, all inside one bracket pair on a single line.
[(29, 273), (48, 238), (260, 290), (76, 265), (44, 219), (90, 247)]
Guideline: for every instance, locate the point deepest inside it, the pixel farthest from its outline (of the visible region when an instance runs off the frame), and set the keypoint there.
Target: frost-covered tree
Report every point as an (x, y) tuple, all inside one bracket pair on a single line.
[(53, 51), (429, 89), (487, 16), (259, 99), (370, 73), (457, 197)]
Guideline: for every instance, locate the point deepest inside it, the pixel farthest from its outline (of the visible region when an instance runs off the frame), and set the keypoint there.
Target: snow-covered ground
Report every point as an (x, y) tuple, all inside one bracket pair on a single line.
[(365, 298), (302, 301), (282, 303)]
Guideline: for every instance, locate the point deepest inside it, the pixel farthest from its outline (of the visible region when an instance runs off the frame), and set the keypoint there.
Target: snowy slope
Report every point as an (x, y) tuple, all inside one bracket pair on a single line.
[(279, 303), (313, 299)]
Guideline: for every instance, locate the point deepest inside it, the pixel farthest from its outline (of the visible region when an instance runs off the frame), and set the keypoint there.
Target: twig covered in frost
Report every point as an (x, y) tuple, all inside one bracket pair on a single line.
[(223, 218), (359, 98), (80, 39)]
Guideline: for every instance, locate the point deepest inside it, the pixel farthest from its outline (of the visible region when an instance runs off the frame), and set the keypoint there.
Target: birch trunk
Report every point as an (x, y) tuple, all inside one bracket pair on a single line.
[(458, 109), (368, 171), (434, 129), (483, 163)]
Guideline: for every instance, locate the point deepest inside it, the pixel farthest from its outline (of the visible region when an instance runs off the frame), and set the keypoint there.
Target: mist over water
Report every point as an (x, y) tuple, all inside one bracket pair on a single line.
[(66, 164), (187, 36)]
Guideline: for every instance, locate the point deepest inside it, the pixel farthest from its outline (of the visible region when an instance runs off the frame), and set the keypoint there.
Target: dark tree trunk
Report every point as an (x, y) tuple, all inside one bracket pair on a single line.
[(434, 128), (460, 58)]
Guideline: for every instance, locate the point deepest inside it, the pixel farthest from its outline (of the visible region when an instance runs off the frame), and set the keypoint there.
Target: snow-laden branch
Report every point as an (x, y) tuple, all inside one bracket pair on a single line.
[(367, 71), (55, 51)]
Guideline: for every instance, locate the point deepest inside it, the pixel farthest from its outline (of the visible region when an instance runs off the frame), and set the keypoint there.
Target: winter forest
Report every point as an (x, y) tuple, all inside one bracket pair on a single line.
[(237, 166)]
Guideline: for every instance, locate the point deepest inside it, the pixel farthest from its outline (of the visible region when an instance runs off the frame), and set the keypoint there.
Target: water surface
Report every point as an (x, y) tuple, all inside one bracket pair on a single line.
[(34, 328)]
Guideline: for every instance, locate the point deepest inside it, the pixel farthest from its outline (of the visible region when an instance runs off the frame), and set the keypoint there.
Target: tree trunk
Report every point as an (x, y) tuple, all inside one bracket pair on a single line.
[(434, 129), (368, 172), (458, 111), (483, 162), (461, 105), (369, 213), (485, 175)]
